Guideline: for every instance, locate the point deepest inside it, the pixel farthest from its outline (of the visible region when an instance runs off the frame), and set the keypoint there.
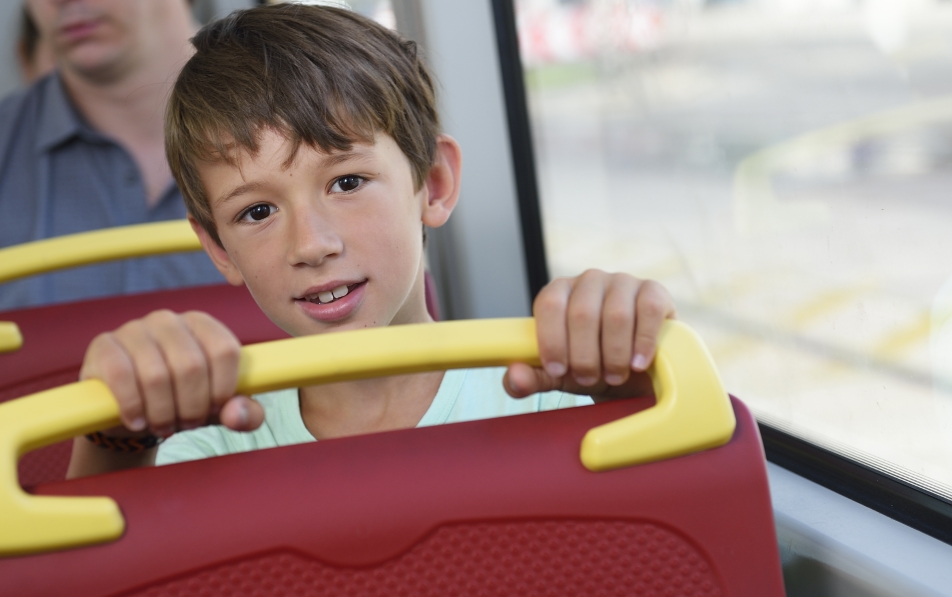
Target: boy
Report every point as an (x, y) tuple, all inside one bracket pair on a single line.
[(307, 145)]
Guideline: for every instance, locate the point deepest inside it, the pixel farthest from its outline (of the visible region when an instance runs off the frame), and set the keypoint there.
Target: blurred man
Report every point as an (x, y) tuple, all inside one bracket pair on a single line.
[(83, 149)]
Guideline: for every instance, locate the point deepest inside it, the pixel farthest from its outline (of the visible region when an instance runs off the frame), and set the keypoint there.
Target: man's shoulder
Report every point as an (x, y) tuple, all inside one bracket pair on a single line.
[(23, 104), (21, 99)]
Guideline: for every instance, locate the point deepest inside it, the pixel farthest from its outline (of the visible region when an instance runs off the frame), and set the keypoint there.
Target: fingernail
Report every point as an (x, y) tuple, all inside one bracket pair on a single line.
[(137, 424), (639, 363), (585, 381), (242, 414), (555, 369), (614, 380)]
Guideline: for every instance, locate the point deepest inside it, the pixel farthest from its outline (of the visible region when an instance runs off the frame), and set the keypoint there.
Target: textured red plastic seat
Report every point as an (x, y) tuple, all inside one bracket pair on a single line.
[(495, 507)]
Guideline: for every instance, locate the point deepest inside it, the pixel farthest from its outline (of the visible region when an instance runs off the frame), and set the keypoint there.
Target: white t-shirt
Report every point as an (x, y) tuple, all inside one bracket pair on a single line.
[(464, 395)]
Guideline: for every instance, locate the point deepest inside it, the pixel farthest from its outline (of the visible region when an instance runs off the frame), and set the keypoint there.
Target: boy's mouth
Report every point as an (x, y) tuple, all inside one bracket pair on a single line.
[(329, 296)]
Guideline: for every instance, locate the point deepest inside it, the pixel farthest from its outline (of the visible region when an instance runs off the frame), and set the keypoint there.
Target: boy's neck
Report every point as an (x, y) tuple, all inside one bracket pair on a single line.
[(368, 405)]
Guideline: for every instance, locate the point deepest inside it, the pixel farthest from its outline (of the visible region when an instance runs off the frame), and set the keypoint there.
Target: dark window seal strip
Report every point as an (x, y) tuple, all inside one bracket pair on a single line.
[(520, 140), (912, 506)]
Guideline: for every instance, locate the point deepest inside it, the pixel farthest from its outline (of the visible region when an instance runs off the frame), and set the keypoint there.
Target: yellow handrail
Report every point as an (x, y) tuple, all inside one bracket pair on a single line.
[(86, 248), (692, 412)]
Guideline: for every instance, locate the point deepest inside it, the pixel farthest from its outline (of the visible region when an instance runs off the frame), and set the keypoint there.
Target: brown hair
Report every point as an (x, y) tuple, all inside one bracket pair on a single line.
[(320, 76)]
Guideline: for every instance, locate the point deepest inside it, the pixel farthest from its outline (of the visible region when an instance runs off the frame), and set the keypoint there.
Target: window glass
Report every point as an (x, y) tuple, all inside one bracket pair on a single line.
[(784, 167)]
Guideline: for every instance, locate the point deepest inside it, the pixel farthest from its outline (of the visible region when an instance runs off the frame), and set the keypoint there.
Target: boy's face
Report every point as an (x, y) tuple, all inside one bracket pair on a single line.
[(333, 241)]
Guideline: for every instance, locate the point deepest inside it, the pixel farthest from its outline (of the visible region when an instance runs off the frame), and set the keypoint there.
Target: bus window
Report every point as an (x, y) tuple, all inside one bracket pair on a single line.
[(783, 167)]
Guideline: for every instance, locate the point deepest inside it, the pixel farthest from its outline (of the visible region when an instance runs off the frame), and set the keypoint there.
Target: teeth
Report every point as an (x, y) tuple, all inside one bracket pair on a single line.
[(328, 295)]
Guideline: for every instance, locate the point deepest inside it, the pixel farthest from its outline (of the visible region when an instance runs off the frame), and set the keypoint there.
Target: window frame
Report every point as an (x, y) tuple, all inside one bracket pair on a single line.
[(520, 140)]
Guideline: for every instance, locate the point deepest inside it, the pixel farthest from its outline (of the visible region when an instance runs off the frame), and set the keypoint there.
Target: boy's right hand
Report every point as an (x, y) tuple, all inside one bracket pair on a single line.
[(172, 372)]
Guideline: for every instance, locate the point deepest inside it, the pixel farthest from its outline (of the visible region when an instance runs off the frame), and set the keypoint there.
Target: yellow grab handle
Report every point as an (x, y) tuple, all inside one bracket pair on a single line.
[(386, 351), (30, 523), (10, 337), (692, 411), (86, 248), (47, 417)]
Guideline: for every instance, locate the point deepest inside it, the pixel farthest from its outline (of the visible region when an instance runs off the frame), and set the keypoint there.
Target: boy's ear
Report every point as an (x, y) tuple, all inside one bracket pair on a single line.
[(218, 254), (442, 183)]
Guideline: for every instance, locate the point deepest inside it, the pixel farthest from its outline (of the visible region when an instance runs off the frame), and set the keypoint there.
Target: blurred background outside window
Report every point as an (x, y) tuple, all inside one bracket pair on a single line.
[(784, 167)]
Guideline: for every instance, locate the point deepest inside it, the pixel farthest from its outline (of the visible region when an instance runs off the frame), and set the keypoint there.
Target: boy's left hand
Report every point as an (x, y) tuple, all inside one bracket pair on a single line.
[(597, 335)]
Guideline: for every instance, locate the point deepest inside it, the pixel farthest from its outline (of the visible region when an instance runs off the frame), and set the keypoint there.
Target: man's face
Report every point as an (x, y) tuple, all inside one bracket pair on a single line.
[(96, 38), (331, 242)]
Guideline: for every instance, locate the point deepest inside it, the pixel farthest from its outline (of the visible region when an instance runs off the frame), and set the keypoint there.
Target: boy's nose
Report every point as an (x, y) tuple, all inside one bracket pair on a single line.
[(312, 240)]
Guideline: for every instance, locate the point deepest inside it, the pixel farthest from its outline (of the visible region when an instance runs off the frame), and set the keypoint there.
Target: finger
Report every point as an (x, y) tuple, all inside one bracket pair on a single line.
[(584, 327), (653, 306), (108, 361), (222, 353), (187, 365), (152, 376), (241, 413), (523, 380), (618, 328), (551, 330)]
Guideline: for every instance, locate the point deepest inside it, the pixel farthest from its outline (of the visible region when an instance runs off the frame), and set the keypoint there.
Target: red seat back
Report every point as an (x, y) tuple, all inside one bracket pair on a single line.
[(494, 507)]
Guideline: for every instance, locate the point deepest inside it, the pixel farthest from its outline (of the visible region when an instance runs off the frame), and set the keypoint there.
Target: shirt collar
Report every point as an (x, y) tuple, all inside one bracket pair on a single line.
[(60, 120)]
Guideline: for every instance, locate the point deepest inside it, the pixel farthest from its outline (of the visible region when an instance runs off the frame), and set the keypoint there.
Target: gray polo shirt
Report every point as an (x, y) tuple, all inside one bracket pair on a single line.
[(59, 176)]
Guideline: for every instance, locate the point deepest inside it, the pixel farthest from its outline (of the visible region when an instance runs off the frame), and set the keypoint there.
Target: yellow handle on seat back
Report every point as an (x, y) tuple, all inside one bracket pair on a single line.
[(86, 248), (692, 412)]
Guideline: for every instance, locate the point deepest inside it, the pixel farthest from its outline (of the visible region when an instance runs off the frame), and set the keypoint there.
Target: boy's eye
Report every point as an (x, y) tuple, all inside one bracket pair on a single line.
[(346, 183), (258, 212)]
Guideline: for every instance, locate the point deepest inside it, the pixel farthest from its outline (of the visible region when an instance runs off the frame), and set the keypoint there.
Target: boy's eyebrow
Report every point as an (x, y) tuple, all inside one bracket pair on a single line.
[(337, 158), (239, 190)]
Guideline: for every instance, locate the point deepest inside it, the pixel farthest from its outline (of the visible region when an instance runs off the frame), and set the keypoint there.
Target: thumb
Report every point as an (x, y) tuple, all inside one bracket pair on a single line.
[(241, 413), (522, 380)]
